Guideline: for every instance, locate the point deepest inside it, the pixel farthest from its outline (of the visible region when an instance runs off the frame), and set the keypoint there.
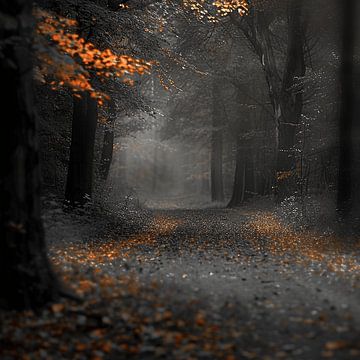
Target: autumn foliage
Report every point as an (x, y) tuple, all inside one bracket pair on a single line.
[(83, 59), (68, 59), (226, 7), (217, 9)]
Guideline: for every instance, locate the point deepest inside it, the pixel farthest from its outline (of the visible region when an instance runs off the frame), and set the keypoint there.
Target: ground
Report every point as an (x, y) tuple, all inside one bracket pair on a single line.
[(194, 284)]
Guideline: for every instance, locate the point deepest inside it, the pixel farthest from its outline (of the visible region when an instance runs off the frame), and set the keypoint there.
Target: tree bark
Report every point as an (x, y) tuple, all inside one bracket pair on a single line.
[(80, 171), (217, 188), (344, 195), (216, 164), (108, 143), (26, 277), (244, 180), (285, 90), (291, 104), (238, 193)]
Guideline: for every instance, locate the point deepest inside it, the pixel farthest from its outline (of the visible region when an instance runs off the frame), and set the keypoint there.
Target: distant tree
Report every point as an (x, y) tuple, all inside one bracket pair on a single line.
[(91, 39), (284, 81), (82, 66), (243, 187), (216, 168)]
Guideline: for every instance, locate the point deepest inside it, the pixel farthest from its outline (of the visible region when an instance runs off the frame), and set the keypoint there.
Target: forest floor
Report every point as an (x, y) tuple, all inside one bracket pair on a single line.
[(194, 284)]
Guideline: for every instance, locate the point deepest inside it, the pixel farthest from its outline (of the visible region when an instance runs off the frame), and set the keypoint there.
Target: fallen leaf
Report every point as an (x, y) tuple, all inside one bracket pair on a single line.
[(80, 347), (106, 346), (200, 319), (336, 345), (57, 308), (97, 333)]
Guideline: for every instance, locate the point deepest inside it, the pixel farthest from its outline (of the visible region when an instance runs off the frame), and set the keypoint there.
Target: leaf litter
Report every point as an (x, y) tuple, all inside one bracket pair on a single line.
[(132, 308)]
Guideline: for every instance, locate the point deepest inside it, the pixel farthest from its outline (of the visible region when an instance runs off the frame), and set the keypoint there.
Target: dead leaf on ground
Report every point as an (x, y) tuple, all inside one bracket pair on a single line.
[(336, 345)]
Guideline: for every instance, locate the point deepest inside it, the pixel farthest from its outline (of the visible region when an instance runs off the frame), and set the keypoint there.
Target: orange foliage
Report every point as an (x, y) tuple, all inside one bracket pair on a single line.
[(226, 7), (306, 246), (222, 8), (87, 58), (283, 175), (95, 254), (199, 9)]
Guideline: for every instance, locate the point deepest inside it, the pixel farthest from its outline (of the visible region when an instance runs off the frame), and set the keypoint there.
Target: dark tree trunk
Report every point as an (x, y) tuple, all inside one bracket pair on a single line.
[(244, 180), (291, 104), (344, 198), (261, 175), (108, 143), (26, 277), (216, 164), (285, 91), (249, 174), (217, 188), (80, 171), (238, 193)]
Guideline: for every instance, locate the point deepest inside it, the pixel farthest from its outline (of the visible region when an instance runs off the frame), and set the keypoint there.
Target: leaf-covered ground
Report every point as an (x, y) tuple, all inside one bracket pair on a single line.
[(194, 284)]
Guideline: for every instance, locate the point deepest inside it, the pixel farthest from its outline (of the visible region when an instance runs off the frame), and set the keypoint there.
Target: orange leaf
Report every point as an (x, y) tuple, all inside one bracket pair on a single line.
[(200, 319), (57, 308), (80, 347), (106, 346), (336, 345), (98, 333)]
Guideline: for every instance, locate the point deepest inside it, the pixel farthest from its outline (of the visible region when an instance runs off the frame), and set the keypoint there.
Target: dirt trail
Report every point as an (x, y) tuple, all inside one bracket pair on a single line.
[(195, 284), (303, 309)]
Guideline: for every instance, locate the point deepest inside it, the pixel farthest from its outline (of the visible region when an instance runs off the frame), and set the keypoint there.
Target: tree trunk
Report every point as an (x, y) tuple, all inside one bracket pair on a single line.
[(244, 180), (285, 92), (216, 164), (249, 174), (217, 188), (261, 174), (80, 171), (238, 193), (108, 143), (26, 277), (344, 196), (291, 104)]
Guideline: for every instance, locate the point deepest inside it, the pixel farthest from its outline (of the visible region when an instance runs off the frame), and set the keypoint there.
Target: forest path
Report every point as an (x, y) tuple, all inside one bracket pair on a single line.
[(294, 300), (194, 284), (214, 252)]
